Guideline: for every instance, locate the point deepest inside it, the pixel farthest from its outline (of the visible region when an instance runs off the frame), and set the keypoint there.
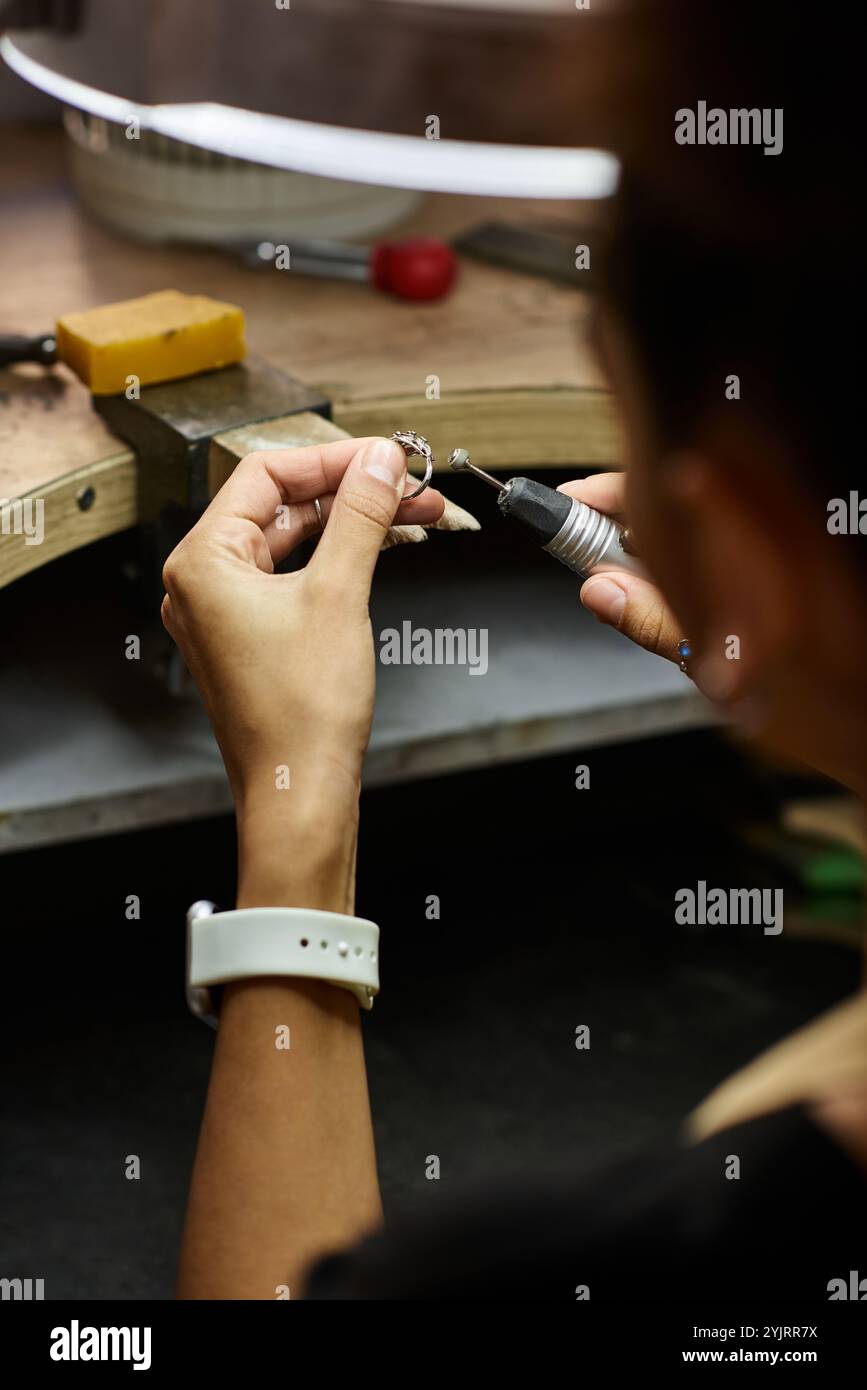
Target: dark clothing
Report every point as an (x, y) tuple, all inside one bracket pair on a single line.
[(666, 1224)]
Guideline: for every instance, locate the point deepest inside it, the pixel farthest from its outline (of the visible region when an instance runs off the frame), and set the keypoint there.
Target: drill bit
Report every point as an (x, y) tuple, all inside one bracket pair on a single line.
[(575, 534), (459, 460)]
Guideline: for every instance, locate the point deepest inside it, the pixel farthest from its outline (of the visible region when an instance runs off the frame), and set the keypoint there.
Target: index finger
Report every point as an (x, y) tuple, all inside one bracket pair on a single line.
[(273, 490), (264, 481)]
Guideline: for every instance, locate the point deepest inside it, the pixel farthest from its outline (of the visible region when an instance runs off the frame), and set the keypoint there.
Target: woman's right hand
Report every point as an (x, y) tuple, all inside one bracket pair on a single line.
[(632, 605)]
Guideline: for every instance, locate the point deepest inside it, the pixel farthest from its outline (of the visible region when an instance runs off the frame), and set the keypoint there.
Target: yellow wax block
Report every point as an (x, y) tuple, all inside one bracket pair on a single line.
[(156, 338)]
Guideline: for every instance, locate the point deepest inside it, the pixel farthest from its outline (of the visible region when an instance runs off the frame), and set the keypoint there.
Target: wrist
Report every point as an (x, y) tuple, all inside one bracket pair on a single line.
[(262, 886), (294, 861)]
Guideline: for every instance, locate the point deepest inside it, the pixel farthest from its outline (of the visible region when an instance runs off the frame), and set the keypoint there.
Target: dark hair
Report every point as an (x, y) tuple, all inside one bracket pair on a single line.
[(723, 259)]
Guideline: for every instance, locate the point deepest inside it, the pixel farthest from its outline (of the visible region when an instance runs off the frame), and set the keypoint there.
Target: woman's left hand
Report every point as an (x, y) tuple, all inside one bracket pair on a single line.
[(285, 662)]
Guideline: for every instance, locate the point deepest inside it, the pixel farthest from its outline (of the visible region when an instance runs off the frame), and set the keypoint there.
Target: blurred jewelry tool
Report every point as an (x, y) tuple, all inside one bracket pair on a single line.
[(549, 249), (420, 268), (577, 535)]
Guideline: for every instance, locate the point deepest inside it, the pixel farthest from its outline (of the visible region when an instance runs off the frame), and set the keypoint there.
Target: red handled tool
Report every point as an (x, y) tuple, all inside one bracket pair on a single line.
[(421, 268)]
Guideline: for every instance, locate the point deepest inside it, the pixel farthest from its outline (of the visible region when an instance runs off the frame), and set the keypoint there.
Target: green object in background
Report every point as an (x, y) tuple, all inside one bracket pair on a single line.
[(834, 871)]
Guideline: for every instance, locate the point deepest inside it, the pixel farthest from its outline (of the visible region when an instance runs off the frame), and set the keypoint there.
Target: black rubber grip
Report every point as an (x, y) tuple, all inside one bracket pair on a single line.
[(538, 508)]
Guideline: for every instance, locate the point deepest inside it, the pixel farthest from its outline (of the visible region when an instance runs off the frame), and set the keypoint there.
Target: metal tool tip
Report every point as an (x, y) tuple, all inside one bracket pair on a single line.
[(459, 459)]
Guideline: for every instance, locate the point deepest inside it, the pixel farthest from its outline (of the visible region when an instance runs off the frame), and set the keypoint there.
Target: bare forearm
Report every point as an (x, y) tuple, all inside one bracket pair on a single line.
[(285, 1170), (286, 666)]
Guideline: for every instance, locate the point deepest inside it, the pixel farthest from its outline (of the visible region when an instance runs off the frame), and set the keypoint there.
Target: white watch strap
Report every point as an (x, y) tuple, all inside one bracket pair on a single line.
[(292, 941)]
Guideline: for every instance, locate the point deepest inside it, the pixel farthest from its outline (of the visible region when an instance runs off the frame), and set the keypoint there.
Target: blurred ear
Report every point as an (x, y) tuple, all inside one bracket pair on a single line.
[(741, 525)]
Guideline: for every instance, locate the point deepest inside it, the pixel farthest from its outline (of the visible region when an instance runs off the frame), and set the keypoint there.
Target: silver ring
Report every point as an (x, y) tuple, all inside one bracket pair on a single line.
[(413, 443), (319, 513)]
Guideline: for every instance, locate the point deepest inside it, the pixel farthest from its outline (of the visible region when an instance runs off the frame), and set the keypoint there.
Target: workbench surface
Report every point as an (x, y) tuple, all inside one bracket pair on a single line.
[(89, 746), (93, 744), (519, 386)]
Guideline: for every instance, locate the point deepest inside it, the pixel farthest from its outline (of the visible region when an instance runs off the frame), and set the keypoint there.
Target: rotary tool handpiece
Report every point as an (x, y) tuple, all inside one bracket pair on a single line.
[(581, 538)]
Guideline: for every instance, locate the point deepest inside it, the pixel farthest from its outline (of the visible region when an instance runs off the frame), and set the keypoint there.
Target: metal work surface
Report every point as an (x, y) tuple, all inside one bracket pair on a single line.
[(93, 743)]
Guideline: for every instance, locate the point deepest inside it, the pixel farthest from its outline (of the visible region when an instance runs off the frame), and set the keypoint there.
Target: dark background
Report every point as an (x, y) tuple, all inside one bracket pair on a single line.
[(557, 910)]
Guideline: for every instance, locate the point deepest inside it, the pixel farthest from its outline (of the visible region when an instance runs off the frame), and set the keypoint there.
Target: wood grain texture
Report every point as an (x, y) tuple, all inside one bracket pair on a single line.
[(85, 505), (289, 432), (518, 384), (538, 427)]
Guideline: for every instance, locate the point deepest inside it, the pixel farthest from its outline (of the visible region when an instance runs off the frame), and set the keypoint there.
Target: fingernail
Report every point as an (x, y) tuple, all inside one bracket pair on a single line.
[(604, 599), (384, 460)]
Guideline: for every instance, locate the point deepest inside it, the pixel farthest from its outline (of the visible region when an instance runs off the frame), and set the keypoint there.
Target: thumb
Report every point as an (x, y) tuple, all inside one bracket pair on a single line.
[(634, 607), (363, 509)]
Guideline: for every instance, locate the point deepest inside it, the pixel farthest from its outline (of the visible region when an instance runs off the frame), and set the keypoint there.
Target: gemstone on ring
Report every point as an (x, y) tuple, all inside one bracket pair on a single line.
[(684, 651), (413, 443)]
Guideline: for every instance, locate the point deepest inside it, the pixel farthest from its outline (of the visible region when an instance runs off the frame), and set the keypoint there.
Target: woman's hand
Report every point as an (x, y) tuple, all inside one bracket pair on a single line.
[(285, 662), (622, 600)]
